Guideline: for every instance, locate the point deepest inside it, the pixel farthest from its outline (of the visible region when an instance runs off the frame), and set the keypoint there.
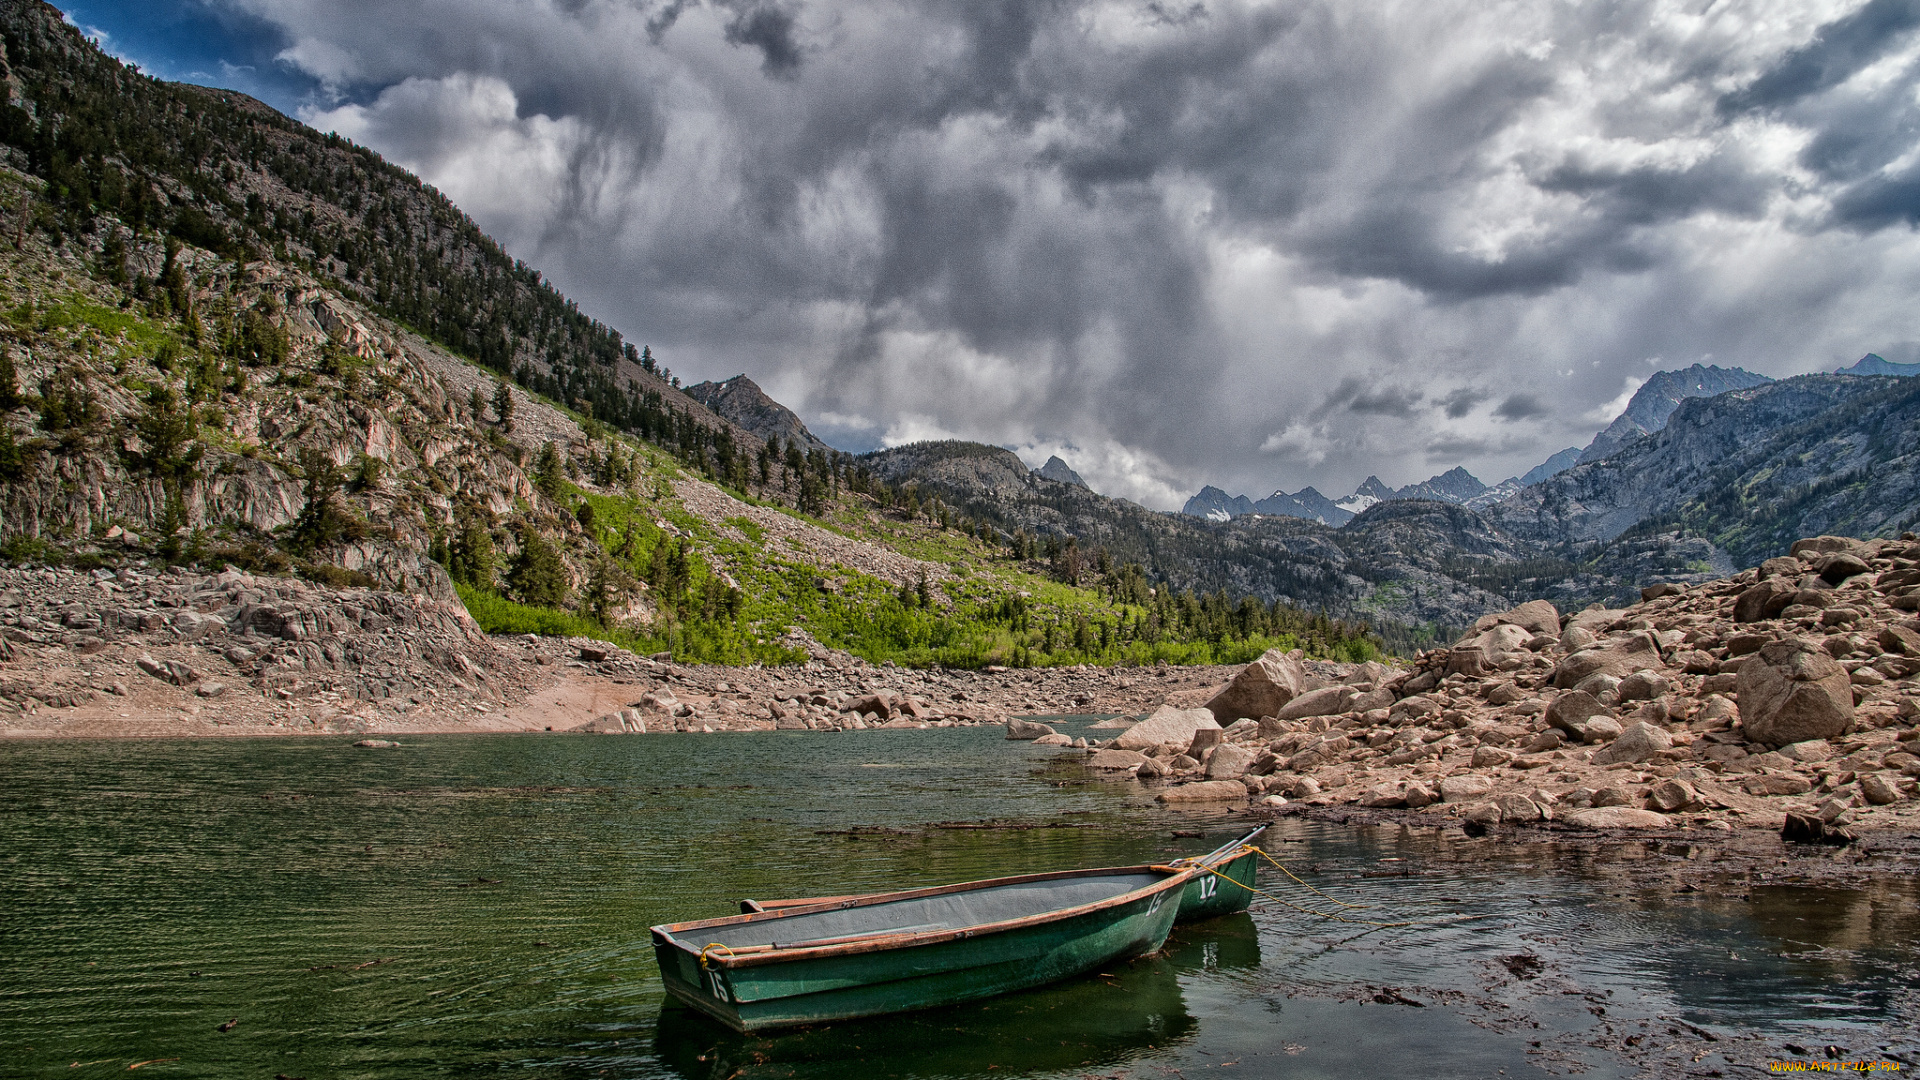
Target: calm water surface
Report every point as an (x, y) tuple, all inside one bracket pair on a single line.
[(477, 906)]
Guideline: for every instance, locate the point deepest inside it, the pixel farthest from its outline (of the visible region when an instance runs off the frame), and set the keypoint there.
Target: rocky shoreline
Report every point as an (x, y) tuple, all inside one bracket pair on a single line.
[(1784, 691), (1782, 698), (170, 653)]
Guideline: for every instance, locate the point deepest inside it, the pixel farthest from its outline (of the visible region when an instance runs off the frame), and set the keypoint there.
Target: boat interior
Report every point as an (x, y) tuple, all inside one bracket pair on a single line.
[(947, 911)]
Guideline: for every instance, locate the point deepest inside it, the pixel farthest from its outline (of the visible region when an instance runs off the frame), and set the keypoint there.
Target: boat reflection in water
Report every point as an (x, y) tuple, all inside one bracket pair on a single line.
[(1110, 1018)]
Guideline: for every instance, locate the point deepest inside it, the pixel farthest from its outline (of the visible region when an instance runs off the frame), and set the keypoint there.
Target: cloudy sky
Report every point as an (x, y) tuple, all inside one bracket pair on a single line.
[(1177, 242)]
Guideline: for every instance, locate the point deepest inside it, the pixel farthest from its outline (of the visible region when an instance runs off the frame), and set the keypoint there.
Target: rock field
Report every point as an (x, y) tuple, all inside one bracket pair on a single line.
[(1781, 696)]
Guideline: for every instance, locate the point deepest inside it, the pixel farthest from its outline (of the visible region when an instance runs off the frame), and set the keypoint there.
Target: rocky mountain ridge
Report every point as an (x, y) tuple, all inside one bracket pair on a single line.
[(1656, 399)]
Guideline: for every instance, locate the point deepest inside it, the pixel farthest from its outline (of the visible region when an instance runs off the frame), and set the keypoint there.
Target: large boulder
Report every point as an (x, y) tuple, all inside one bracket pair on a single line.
[(1262, 688), (1616, 817), (1115, 759), (1838, 567), (1229, 761), (1166, 725), (1763, 600), (1596, 619), (1326, 701), (1538, 616), (1465, 787), (1638, 743), (1791, 691), (1618, 657), (1572, 711), (1496, 641)]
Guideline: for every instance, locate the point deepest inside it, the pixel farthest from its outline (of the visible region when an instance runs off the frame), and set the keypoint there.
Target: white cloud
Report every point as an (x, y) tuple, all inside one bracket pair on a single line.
[(1169, 243)]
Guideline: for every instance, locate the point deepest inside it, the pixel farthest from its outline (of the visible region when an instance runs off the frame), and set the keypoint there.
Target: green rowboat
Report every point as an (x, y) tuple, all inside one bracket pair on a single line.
[(894, 952), (1229, 888)]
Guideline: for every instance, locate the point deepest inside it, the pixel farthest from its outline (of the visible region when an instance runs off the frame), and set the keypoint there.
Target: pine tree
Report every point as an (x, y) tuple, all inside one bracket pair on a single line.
[(503, 405), (470, 554), (537, 576), (321, 520), (548, 473)]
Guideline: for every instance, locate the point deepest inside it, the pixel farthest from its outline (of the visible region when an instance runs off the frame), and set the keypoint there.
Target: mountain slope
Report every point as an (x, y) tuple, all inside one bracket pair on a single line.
[(1750, 470), (228, 339), (1656, 399), (1553, 466), (222, 172)]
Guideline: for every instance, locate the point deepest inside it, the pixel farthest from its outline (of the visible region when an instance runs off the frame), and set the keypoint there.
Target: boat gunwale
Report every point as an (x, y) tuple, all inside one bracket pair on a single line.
[(1225, 853), (1175, 876)]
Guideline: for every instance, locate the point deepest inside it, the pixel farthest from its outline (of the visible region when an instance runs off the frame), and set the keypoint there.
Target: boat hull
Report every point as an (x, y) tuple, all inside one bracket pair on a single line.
[(1209, 897), (802, 989)]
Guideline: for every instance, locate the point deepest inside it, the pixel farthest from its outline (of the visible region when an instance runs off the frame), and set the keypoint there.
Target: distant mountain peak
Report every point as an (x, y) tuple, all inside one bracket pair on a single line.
[(1656, 399), (1216, 505), (741, 401), (1875, 364), (1058, 471), (1456, 485)]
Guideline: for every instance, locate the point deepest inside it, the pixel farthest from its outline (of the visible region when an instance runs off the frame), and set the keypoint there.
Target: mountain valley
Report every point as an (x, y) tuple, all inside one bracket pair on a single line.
[(231, 341)]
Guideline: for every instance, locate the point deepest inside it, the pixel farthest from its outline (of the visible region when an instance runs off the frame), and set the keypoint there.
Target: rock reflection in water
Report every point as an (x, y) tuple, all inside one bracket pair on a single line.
[(1105, 1019)]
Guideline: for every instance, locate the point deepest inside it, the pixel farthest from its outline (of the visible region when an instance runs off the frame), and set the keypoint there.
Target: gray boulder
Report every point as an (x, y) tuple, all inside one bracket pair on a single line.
[(1617, 817), (1262, 688), (1229, 761), (1791, 691), (1538, 616), (1618, 657), (1638, 743), (1571, 711), (1464, 788), (1326, 701), (1166, 725)]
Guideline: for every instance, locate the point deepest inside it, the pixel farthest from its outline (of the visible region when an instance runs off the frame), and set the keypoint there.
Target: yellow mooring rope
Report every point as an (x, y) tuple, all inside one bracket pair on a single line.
[(1297, 907), (1302, 884)]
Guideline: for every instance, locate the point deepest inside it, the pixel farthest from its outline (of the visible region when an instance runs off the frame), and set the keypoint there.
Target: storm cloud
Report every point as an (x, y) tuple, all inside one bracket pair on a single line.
[(1257, 245)]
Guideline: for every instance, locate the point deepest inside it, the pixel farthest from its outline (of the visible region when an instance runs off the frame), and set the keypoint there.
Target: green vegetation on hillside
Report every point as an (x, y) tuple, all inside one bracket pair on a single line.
[(162, 235)]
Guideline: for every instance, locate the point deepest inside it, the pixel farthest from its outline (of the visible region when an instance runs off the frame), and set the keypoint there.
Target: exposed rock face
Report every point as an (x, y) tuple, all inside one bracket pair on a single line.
[(1262, 688), (741, 401), (1791, 691), (1657, 399), (1059, 472)]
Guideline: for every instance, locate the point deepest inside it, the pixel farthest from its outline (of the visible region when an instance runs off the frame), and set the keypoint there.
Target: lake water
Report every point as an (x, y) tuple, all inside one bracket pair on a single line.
[(478, 906)]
